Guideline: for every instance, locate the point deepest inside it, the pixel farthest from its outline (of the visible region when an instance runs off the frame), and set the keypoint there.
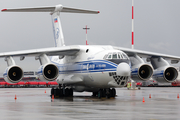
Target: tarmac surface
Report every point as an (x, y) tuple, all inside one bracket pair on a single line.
[(35, 104)]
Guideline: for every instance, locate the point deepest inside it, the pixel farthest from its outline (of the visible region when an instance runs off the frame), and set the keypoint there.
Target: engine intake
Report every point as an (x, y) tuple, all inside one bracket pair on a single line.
[(48, 72), (13, 74), (169, 75), (142, 73)]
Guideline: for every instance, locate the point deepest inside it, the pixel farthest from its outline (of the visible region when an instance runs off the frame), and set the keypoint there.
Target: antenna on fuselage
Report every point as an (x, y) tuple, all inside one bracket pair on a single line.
[(86, 33)]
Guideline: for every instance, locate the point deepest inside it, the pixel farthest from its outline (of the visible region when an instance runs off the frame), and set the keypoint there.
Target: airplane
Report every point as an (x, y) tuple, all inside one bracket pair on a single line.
[(93, 68)]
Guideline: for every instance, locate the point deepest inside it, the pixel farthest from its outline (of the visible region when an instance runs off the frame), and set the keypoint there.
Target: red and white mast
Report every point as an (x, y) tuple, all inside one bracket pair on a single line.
[(86, 33), (133, 83), (132, 24)]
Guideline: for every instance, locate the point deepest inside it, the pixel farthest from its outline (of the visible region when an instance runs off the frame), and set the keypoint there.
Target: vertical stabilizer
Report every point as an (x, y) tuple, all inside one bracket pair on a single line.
[(55, 12), (58, 34)]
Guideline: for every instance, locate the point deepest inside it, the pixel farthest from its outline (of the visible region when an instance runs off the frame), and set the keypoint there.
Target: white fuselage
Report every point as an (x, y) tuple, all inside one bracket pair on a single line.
[(91, 66)]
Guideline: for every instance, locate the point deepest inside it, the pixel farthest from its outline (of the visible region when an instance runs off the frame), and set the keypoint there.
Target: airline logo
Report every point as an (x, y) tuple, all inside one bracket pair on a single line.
[(55, 20)]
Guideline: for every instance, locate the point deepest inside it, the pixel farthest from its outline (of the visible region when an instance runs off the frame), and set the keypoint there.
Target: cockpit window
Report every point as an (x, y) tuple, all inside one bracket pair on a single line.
[(116, 56), (125, 56), (109, 56), (119, 56)]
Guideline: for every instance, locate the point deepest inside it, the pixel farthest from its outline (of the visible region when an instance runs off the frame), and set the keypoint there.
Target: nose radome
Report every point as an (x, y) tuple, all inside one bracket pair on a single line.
[(123, 69)]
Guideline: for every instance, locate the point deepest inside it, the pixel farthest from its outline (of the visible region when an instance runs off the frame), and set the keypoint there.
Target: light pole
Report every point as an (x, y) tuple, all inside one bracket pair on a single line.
[(86, 33)]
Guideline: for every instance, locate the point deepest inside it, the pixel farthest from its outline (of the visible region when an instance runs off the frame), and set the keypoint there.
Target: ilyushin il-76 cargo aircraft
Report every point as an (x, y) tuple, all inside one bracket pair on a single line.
[(94, 68)]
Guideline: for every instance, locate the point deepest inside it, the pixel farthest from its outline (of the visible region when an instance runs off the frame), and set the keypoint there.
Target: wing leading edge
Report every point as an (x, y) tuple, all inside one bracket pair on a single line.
[(65, 50), (146, 54), (51, 9)]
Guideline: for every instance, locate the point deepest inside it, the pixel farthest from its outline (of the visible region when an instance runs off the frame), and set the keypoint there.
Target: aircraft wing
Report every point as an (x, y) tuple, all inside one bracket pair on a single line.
[(146, 54), (64, 50)]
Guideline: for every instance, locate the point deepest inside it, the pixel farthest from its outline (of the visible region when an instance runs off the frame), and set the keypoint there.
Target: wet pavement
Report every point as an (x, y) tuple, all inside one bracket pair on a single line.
[(35, 104)]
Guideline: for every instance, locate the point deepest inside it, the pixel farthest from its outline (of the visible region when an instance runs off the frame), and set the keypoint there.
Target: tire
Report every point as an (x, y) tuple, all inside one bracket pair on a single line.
[(52, 91), (113, 92), (60, 92), (56, 92), (95, 94), (100, 93), (71, 92), (108, 93), (66, 92), (104, 93)]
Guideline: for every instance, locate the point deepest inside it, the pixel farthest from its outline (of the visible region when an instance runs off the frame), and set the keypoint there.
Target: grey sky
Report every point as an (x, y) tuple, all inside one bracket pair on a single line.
[(156, 26)]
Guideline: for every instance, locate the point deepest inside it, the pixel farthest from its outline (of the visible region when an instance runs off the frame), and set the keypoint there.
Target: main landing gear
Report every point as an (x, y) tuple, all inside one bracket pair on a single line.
[(105, 93), (61, 92)]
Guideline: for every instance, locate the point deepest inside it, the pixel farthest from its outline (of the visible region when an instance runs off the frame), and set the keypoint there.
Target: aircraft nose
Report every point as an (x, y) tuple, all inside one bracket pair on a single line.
[(123, 69)]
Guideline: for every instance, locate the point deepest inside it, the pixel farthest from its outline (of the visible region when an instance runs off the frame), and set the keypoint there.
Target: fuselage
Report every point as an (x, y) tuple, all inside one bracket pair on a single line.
[(97, 67)]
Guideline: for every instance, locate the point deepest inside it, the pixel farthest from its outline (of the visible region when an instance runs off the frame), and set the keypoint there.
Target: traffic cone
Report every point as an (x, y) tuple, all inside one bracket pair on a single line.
[(15, 97), (45, 91), (178, 96), (149, 95), (52, 96), (143, 100)]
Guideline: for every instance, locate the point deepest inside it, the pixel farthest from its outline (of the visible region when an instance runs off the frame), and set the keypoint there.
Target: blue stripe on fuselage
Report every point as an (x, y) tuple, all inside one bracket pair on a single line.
[(86, 66)]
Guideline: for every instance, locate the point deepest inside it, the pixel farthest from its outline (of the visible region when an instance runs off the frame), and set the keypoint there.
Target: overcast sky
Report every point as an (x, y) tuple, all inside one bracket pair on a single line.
[(156, 26)]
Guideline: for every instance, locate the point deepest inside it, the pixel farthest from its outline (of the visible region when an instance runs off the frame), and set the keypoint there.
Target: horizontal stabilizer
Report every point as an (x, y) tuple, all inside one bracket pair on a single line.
[(57, 8)]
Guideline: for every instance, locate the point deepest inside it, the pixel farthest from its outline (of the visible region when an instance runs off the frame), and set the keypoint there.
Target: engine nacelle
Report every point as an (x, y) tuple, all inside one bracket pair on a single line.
[(48, 72), (141, 72), (13, 74), (165, 75)]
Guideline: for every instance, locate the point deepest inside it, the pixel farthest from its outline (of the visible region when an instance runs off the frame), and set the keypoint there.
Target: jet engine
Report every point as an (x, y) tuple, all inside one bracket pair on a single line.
[(167, 74), (141, 72), (163, 71), (48, 72), (13, 74)]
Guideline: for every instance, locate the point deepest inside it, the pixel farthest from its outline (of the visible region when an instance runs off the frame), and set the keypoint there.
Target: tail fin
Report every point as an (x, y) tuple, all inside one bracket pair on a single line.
[(57, 30), (55, 11)]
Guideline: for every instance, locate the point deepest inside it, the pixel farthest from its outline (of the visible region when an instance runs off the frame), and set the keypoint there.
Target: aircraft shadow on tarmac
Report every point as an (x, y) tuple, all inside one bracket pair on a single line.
[(81, 99)]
